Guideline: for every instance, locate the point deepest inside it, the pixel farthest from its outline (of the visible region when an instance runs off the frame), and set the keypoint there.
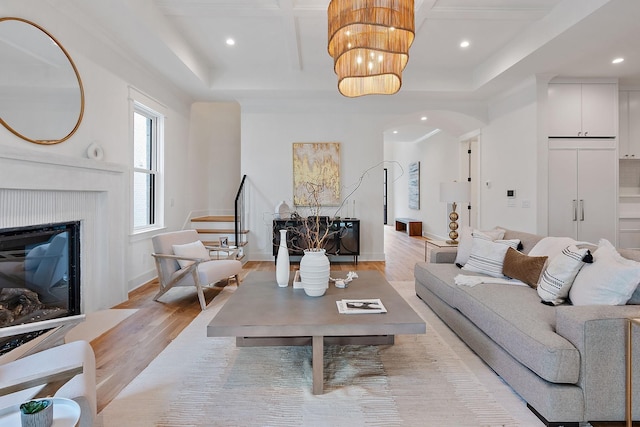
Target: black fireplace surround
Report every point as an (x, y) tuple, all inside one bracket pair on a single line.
[(39, 276)]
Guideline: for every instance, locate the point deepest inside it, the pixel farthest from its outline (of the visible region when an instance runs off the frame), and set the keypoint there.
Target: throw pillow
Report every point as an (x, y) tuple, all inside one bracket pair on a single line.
[(523, 267), (551, 246), (190, 250), (610, 280), (487, 256), (465, 241), (557, 278)]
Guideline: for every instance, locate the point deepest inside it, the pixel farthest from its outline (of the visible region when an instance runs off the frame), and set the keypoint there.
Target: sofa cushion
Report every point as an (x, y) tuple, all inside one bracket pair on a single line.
[(438, 278), (610, 280), (513, 317), (523, 267)]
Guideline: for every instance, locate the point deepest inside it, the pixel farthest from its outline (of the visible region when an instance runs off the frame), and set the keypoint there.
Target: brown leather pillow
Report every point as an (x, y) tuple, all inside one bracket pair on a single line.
[(523, 267)]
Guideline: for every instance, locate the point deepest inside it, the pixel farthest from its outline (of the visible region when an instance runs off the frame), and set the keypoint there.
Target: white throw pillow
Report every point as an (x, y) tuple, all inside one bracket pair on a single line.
[(551, 246), (487, 256), (190, 250), (610, 280), (557, 278), (465, 241)]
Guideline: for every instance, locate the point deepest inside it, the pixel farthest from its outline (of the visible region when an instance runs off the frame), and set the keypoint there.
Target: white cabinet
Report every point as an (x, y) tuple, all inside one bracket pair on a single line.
[(629, 111), (582, 193), (582, 109)]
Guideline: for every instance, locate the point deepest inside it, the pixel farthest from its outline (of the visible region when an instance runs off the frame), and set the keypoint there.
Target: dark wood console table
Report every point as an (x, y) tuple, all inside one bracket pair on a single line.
[(344, 238)]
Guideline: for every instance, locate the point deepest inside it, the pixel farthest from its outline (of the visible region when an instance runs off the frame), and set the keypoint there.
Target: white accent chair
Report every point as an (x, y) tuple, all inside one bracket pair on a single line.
[(47, 360), (192, 266)]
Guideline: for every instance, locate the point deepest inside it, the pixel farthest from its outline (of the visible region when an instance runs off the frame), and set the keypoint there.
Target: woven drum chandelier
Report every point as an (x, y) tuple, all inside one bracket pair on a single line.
[(369, 42)]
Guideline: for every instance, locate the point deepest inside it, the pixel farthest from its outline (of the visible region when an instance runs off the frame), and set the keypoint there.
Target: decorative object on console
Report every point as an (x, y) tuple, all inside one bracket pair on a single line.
[(453, 192), (282, 211), (282, 261), (369, 42)]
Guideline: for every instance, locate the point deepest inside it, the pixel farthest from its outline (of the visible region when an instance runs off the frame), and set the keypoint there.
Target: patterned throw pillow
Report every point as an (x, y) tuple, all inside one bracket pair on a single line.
[(466, 241), (487, 256), (523, 267), (559, 275)]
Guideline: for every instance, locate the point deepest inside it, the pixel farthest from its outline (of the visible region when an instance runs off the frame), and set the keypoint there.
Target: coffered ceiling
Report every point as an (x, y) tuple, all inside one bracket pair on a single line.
[(280, 47)]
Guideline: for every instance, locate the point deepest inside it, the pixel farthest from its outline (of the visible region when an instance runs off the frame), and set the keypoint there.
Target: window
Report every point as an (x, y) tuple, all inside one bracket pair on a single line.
[(147, 167)]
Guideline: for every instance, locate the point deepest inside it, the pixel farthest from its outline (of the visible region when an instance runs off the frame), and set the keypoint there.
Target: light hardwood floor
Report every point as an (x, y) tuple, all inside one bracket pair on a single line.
[(124, 351)]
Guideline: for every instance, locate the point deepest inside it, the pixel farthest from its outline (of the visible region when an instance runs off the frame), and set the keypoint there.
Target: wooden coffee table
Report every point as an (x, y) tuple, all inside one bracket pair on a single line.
[(261, 313)]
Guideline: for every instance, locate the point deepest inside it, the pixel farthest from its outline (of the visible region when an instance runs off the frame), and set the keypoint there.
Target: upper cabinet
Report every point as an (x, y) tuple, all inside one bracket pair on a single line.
[(629, 124), (582, 110)]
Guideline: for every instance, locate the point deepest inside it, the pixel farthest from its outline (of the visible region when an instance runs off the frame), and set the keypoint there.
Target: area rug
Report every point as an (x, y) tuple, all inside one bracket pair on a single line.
[(422, 380)]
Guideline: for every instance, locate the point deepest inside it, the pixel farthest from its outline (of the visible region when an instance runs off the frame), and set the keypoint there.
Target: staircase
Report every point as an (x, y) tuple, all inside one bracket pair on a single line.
[(212, 228)]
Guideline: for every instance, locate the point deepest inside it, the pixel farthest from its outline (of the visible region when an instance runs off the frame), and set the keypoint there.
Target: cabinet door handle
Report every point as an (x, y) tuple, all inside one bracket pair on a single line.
[(581, 209), (579, 133), (585, 134), (575, 210)]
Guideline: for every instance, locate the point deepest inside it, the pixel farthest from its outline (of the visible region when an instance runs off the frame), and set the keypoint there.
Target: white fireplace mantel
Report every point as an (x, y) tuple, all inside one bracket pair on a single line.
[(37, 187)]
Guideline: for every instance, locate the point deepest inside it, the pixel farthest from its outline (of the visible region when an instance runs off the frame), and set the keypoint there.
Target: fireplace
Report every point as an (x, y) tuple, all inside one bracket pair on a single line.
[(39, 275)]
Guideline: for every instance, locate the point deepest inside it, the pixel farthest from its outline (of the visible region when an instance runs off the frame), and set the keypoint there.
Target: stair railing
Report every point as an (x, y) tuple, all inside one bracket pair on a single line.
[(239, 211)]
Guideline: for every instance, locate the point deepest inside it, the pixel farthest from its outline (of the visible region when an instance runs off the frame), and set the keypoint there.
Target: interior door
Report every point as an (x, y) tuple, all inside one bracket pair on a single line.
[(597, 195), (563, 194)]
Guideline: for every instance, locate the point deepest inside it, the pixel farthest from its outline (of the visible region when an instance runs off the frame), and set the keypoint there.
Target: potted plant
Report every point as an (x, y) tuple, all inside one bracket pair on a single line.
[(37, 413)]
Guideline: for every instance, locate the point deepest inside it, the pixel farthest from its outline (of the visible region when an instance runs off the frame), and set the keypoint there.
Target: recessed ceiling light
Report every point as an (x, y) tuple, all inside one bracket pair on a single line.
[(395, 131), (464, 43), (423, 118), (230, 42), (617, 60)]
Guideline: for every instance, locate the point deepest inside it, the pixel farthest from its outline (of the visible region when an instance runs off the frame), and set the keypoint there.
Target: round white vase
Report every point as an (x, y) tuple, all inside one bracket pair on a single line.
[(314, 272), (282, 261)]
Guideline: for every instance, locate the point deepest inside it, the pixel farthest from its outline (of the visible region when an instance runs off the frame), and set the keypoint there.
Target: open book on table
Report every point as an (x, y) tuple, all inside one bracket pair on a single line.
[(360, 306)]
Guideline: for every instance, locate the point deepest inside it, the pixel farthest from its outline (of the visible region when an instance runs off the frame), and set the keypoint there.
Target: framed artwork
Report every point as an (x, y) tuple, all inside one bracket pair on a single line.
[(414, 185), (316, 174)]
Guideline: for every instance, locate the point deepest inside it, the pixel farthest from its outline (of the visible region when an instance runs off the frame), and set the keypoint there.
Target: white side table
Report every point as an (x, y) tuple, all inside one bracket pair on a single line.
[(66, 413)]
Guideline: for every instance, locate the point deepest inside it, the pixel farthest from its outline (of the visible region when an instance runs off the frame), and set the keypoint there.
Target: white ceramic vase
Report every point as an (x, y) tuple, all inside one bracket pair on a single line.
[(282, 261), (314, 272)]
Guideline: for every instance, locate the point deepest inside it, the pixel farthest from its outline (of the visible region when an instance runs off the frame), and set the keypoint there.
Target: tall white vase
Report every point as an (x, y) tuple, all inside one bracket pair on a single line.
[(314, 272), (282, 261)]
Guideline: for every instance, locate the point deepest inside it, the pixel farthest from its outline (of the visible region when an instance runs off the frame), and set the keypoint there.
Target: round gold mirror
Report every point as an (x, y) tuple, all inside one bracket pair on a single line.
[(41, 94)]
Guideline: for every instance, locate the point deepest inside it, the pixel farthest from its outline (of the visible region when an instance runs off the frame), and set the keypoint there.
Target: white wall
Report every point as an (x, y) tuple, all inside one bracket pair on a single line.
[(439, 162), (509, 161), (107, 77), (267, 139), (214, 157)]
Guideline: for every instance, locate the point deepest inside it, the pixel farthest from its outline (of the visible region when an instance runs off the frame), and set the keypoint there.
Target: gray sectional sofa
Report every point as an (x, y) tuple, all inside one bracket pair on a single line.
[(567, 362)]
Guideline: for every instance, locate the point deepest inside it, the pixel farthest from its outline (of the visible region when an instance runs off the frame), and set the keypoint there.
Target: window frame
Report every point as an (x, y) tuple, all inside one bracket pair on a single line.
[(155, 170)]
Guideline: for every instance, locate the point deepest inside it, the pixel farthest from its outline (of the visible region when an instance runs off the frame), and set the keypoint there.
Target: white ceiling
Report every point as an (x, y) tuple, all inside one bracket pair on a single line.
[(281, 50)]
